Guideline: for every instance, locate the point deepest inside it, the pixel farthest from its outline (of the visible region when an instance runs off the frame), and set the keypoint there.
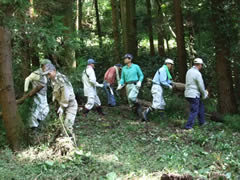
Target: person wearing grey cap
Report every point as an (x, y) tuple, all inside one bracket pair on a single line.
[(110, 77), (90, 85), (63, 93), (40, 107)]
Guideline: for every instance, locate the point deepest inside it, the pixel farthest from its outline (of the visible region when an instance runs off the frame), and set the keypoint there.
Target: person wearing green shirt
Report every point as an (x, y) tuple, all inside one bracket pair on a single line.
[(132, 77)]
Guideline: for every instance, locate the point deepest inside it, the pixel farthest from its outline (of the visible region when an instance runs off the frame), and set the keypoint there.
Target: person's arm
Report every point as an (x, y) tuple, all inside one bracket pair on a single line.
[(140, 74), (91, 76), (65, 96), (30, 78), (122, 81), (201, 86), (163, 79)]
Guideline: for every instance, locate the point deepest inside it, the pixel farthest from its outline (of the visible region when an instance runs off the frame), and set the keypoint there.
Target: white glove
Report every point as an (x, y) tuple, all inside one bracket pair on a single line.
[(119, 87), (170, 87), (139, 84), (206, 95), (53, 98), (60, 111), (100, 85)]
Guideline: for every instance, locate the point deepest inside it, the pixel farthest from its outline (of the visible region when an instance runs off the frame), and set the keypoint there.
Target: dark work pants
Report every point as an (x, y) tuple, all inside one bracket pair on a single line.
[(196, 110)]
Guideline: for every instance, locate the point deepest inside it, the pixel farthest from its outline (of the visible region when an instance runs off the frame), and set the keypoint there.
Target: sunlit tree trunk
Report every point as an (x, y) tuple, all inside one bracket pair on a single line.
[(150, 30), (181, 51), (12, 122), (161, 33), (98, 23), (129, 26), (226, 99), (115, 25)]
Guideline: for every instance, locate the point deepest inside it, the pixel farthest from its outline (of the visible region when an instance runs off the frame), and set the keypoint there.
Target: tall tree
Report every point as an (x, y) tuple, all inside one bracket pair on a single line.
[(129, 26), (115, 26), (67, 11), (98, 23), (150, 30), (181, 51), (80, 14), (161, 32), (221, 23), (12, 121)]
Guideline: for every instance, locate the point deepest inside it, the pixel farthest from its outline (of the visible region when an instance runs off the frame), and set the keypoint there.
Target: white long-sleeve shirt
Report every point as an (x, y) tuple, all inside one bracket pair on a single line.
[(195, 87), (37, 79), (89, 81)]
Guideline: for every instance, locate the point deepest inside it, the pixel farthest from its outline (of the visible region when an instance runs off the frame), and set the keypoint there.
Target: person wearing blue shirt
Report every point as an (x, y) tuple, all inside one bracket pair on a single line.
[(132, 77), (161, 80)]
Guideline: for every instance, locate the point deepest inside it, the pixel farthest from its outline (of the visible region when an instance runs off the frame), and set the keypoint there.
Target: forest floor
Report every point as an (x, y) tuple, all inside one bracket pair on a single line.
[(122, 147)]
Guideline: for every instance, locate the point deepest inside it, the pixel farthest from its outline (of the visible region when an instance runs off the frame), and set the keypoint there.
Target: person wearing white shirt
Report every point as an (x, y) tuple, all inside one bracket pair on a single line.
[(194, 91), (90, 85), (40, 106)]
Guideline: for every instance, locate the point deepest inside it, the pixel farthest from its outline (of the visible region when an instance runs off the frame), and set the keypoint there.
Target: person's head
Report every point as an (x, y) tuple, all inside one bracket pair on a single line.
[(91, 62), (43, 63), (169, 63), (119, 66), (127, 58), (198, 63), (50, 71)]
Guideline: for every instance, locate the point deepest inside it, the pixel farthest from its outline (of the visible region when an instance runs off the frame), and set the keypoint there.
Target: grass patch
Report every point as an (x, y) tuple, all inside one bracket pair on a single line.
[(121, 147)]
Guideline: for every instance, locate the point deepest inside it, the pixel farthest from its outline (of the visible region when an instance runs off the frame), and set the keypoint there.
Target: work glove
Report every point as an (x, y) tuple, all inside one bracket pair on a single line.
[(53, 98), (139, 84), (170, 87), (119, 87), (60, 111), (100, 85), (206, 94)]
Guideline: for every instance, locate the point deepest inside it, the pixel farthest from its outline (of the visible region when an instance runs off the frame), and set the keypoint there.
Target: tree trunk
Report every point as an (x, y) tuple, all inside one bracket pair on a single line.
[(80, 14), (236, 74), (181, 51), (150, 30), (68, 21), (226, 100), (98, 23), (161, 32), (11, 118), (115, 25), (129, 26)]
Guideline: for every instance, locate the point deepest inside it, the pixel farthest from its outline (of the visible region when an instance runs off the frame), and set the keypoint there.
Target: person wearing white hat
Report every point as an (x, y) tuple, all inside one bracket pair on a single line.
[(194, 91), (63, 93), (90, 85), (40, 107), (162, 79)]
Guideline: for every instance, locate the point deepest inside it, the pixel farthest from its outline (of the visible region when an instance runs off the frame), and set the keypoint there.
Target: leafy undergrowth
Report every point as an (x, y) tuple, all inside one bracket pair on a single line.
[(122, 147)]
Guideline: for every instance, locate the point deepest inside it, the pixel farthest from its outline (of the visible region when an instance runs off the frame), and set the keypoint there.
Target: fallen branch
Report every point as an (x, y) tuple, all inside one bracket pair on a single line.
[(178, 86), (32, 93)]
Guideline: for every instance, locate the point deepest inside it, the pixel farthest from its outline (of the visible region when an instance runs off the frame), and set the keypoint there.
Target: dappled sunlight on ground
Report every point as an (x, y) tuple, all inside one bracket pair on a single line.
[(116, 147)]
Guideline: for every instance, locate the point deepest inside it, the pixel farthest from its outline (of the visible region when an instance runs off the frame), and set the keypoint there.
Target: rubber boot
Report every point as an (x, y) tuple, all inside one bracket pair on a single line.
[(138, 109), (99, 110), (162, 116), (146, 113)]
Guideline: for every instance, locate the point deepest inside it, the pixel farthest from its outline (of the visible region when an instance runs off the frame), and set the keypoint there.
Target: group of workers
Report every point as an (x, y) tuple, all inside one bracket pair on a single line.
[(129, 76)]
